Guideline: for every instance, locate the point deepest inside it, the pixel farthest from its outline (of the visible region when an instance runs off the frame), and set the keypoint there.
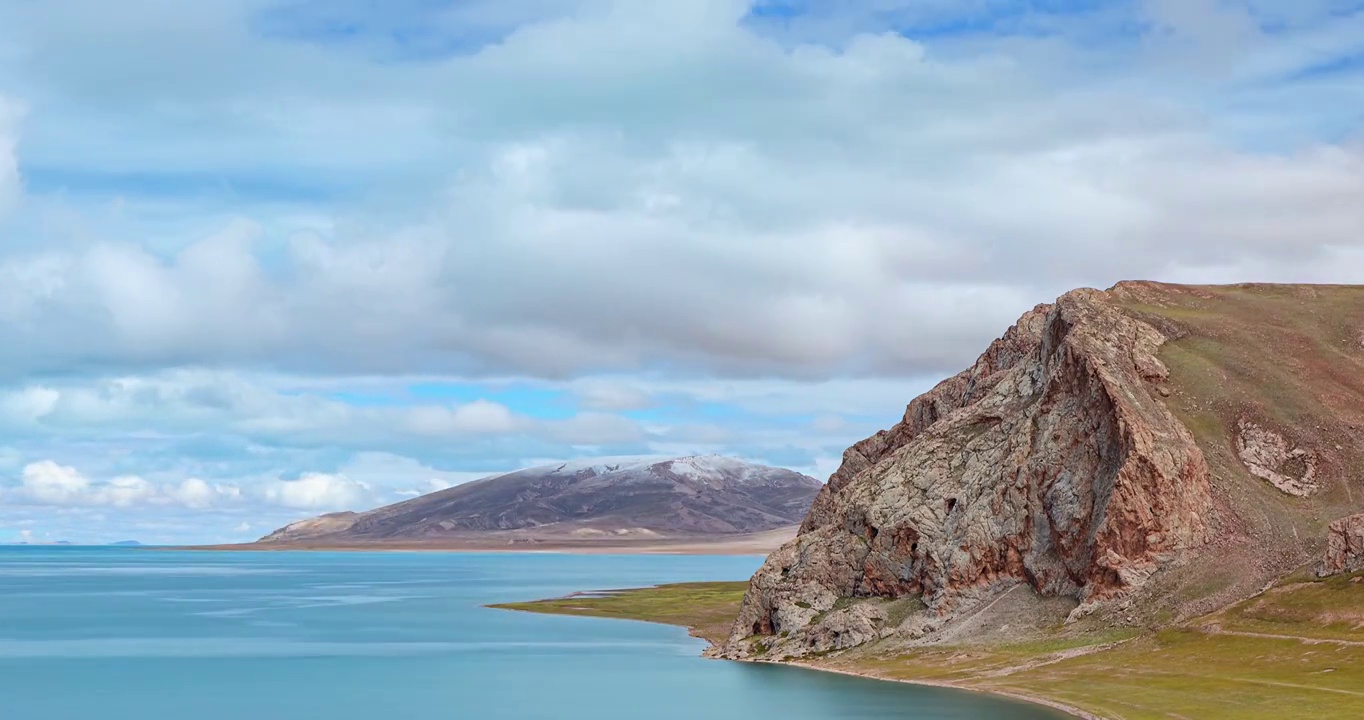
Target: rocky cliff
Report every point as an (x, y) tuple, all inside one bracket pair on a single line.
[(1065, 460)]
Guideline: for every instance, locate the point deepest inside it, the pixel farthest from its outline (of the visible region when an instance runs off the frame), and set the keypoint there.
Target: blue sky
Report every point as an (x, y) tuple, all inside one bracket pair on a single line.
[(261, 259)]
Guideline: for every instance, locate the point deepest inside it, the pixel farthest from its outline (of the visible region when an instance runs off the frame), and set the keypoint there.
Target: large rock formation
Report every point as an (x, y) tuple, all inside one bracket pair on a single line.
[(1344, 547), (622, 498), (1051, 462)]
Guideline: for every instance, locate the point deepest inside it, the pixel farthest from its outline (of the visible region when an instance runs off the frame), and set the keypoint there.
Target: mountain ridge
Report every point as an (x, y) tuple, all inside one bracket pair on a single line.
[(625, 498)]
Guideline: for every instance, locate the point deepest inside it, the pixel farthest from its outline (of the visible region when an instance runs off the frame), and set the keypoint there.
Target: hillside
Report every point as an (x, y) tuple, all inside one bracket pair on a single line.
[(623, 500), (1128, 459)]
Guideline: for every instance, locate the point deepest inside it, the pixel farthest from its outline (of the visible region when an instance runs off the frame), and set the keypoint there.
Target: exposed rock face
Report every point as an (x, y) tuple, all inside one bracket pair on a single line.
[(610, 497), (1052, 461), (1267, 455), (1344, 547)]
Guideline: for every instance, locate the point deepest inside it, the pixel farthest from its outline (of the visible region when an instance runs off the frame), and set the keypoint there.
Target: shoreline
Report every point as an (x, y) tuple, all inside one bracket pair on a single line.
[(807, 665), (1012, 695)]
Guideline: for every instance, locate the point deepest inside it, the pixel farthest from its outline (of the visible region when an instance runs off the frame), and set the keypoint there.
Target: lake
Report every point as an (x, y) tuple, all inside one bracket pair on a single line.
[(129, 634)]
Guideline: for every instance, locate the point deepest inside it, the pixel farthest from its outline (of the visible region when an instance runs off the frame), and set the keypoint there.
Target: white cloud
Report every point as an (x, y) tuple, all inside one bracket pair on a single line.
[(477, 417), (48, 483), (319, 491), (124, 491), (483, 416), (196, 494)]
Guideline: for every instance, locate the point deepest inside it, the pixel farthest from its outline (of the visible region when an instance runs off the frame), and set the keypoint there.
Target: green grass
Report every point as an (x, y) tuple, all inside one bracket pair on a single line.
[(1331, 609), (708, 609), (1124, 674), (1183, 673), (1170, 674)]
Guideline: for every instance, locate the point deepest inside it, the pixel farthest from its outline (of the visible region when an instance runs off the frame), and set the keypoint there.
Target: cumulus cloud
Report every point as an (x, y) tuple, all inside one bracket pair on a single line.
[(198, 494), (477, 417), (319, 491), (48, 483)]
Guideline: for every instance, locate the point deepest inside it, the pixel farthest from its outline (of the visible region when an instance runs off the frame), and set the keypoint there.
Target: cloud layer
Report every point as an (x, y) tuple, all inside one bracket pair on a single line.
[(240, 243)]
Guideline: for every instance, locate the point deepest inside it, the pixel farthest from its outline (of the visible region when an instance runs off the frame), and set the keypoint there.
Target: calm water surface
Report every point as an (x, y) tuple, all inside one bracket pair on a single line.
[(121, 634)]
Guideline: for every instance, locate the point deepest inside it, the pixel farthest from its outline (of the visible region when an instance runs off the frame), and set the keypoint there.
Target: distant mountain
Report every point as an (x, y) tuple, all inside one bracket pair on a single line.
[(614, 497), (126, 543)]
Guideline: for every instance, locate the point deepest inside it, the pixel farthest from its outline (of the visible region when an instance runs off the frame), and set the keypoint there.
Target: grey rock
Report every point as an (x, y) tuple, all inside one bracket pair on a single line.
[(1269, 456)]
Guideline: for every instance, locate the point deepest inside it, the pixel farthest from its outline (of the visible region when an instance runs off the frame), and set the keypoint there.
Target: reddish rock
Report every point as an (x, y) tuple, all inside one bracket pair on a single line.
[(1344, 547), (1052, 461)]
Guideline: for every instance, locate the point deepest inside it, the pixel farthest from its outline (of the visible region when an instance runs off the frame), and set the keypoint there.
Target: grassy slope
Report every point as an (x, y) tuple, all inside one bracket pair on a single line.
[(1282, 667), (1287, 357), (707, 609)]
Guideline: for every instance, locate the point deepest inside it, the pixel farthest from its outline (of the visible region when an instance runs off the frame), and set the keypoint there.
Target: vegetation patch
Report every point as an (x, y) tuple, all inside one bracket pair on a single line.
[(708, 609)]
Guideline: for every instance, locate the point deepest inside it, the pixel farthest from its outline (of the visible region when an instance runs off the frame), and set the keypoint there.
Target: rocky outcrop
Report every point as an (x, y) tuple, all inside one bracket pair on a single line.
[(1268, 456), (1344, 547), (1052, 461)]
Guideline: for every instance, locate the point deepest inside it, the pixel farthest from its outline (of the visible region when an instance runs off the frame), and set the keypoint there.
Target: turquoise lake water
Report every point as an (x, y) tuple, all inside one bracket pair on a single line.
[(123, 634)]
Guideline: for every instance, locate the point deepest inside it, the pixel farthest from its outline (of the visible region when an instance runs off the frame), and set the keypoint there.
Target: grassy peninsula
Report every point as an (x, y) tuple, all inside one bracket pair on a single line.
[(1296, 650), (706, 609)]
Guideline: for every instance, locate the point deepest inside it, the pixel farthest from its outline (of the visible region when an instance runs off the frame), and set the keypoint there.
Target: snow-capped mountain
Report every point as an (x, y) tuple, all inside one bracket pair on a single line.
[(674, 497)]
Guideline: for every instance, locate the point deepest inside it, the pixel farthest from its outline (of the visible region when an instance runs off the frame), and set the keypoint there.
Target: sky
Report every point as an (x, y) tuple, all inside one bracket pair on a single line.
[(263, 259)]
